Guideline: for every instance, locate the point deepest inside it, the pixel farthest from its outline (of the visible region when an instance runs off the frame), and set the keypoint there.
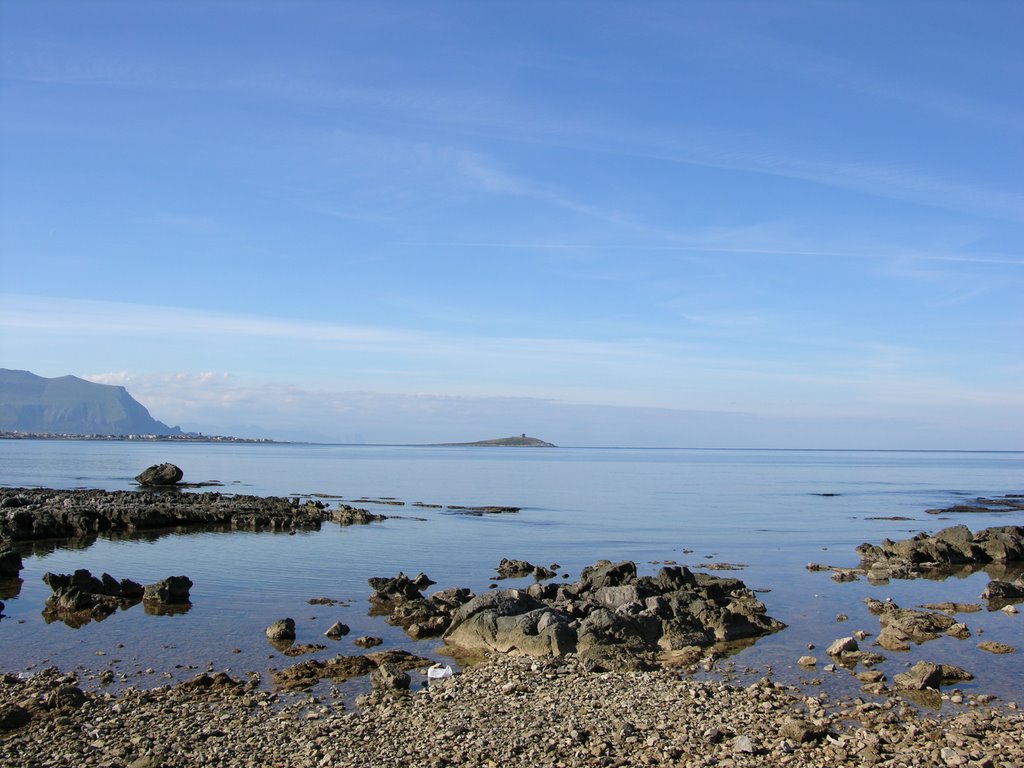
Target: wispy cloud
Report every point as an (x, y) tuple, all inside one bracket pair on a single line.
[(82, 316)]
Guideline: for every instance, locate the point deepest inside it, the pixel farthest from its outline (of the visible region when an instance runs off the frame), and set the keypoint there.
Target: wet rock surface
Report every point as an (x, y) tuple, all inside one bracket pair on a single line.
[(611, 617), (81, 514), (511, 711), (516, 569), (80, 597), (340, 668), (402, 599), (174, 590), (956, 545), (926, 674), (902, 626)]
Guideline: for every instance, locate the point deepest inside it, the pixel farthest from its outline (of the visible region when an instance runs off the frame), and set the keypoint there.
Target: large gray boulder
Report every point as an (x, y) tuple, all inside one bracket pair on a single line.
[(160, 475), (282, 629), (540, 632), (505, 602)]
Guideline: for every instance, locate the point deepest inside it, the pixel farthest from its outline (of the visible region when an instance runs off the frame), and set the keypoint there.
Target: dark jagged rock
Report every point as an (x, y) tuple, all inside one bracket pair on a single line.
[(337, 630), (956, 545), (515, 569), (281, 630), (10, 563), (390, 677), (13, 716), (80, 597), (398, 589), (308, 673), (999, 593), (902, 626), (217, 682), (160, 475), (430, 616), (84, 514), (174, 590), (348, 515), (402, 598), (925, 674), (611, 618)]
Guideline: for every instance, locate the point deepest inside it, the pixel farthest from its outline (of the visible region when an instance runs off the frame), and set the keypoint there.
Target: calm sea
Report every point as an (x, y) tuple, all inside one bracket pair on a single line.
[(759, 509)]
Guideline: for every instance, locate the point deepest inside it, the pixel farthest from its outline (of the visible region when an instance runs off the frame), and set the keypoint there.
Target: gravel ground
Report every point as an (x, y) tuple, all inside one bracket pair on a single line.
[(509, 711)]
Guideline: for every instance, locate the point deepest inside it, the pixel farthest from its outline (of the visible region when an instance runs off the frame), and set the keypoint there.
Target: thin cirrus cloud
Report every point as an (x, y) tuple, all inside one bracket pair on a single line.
[(81, 316)]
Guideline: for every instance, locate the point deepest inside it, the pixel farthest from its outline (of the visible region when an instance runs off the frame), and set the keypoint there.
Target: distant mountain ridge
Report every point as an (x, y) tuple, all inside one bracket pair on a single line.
[(68, 405)]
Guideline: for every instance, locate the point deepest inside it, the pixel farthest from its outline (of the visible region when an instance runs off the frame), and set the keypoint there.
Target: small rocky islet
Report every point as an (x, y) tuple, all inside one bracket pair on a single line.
[(573, 674)]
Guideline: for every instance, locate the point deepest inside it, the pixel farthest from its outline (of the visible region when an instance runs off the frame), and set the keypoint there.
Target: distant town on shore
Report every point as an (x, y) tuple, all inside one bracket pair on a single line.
[(194, 437)]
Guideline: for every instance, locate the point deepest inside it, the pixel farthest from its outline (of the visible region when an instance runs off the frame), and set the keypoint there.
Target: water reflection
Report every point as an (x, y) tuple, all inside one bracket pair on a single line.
[(159, 609), (102, 611), (10, 587)]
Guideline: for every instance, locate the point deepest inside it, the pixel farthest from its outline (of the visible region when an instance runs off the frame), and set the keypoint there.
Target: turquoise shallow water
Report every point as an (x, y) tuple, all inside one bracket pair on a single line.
[(756, 508)]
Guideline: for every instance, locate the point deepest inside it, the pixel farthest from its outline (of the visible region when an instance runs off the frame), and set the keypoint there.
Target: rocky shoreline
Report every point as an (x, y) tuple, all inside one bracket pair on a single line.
[(509, 711), (34, 514), (583, 673)]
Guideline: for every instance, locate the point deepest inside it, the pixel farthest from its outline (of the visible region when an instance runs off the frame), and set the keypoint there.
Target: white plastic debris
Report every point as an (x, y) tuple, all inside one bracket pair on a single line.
[(437, 672)]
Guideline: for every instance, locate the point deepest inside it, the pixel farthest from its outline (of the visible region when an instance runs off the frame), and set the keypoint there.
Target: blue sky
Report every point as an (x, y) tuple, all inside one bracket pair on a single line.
[(669, 224)]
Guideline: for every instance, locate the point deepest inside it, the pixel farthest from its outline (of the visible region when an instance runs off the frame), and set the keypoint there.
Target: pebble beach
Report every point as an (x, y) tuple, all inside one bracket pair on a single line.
[(507, 711)]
